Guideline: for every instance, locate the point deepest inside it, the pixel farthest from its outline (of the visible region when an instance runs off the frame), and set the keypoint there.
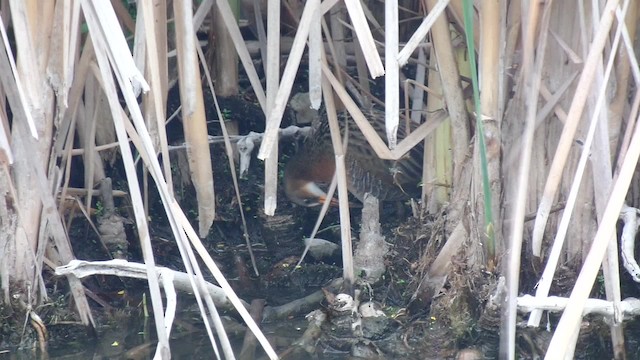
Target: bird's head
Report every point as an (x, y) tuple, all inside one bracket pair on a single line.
[(305, 193), (304, 174)]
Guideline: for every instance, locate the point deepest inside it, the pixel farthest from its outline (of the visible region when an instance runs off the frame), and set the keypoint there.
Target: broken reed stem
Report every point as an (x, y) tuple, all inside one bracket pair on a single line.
[(273, 82), (343, 193), (392, 76)]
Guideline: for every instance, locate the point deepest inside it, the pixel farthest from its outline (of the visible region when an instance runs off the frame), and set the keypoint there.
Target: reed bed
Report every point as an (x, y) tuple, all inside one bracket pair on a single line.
[(522, 111)]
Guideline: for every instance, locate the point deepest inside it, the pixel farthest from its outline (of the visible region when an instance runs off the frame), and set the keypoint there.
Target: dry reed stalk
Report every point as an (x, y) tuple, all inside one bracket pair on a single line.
[(229, 148), (146, 151), (316, 47), (363, 76), (273, 83), (68, 124), (417, 94), (623, 70), (370, 134), (414, 108), (222, 57), (327, 5), (628, 133), (190, 262), (452, 91), (202, 12), (55, 229), (86, 126), (335, 54), (262, 35), (584, 217), (611, 274), (490, 58), (193, 116), (553, 99), (532, 74), (156, 70), (224, 284), (512, 156), (8, 248), (337, 37), (420, 33), (274, 118), (441, 266), (343, 192), (230, 156), (60, 66), (570, 320), (97, 26), (602, 179), (150, 159), (6, 155), (571, 125), (437, 172), (635, 70), (344, 228), (365, 38), (123, 268), (123, 14), (456, 9), (162, 43), (601, 158), (111, 51), (392, 76), (241, 48), (31, 99), (571, 54)]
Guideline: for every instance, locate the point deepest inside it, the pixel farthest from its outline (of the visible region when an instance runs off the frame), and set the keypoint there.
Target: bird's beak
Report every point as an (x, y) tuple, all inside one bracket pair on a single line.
[(334, 202)]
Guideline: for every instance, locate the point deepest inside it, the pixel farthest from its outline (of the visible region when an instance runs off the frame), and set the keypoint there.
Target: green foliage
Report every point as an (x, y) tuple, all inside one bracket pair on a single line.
[(99, 209), (226, 114)]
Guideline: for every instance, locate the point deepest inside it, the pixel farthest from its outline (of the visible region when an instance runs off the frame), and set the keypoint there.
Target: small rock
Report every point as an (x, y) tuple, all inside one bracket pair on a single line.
[(469, 354), (320, 248)]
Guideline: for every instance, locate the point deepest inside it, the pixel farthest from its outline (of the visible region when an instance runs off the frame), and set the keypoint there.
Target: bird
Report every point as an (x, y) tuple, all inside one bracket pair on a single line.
[(309, 172)]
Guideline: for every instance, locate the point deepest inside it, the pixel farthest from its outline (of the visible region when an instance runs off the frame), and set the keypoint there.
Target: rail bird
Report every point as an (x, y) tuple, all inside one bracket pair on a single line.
[(310, 171)]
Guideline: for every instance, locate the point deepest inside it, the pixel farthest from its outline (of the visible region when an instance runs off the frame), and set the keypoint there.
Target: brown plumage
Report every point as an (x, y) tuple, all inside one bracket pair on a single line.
[(308, 173)]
